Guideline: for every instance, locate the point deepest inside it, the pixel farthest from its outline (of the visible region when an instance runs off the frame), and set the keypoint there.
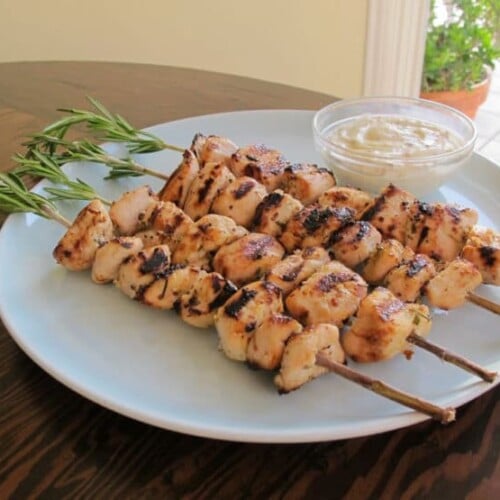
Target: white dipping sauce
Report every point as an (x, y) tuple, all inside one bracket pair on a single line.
[(393, 136)]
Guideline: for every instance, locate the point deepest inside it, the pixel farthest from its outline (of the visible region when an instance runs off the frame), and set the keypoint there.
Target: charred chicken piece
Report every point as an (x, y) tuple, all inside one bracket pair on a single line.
[(306, 181), (354, 243), (439, 230), (266, 345), (111, 256), (298, 365), (314, 226), (177, 187), (204, 238), (407, 280), (341, 197), (213, 149), (387, 255), (131, 211), (263, 164), (390, 212), (91, 228), (274, 211), (295, 268), (381, 327), (208, 292), (450, 287), (212, 178), (243, 313), (170, 220), (330, 295), (166, 291), (240, 200), (248, 258), (482, 248), (141, 269)]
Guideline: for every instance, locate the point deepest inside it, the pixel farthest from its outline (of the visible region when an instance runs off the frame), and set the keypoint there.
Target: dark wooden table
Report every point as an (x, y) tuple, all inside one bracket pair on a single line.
[(54, 443)]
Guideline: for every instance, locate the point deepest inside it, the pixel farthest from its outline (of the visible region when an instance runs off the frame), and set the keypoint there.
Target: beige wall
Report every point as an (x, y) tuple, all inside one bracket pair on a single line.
[(315, 44)]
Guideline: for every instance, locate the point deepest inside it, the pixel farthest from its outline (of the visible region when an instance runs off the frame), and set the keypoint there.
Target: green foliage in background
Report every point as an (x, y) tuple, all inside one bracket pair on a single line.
[(458, 52)]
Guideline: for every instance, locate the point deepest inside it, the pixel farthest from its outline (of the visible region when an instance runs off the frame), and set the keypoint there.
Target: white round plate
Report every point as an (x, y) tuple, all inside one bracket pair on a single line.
[(148, 365)]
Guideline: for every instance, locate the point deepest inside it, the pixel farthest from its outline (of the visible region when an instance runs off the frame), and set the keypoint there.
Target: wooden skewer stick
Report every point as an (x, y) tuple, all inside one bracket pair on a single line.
[(484, 303), (443, 415), (450, 357)]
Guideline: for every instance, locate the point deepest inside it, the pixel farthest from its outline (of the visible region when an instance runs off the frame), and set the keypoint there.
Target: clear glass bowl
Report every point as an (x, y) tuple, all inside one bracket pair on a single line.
[(371, 170)]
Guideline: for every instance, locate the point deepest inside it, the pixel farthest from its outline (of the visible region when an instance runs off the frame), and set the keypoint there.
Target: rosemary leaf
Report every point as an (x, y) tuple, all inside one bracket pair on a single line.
[(15, 198)]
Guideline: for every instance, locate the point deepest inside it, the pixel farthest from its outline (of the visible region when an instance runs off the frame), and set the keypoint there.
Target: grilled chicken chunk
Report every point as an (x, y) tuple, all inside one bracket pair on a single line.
[(91, 228), (211, 179), (207, 293), (263, 164), (390, 212), (346, 197), (204, 238), (306, 181), (248, 258), (407, 280), (266, 345), (243, 313), (450, 287), (354, 243), (177, 187), (313, 226), (482, 248), (171, 221), (213, 148), (240, 200), (387, 255), (130, 212), (330, 295), (295, 268), (166, 291), (298, 365), (274, 211), (111, 256), (439, 230), (141, 269), (381, 327)]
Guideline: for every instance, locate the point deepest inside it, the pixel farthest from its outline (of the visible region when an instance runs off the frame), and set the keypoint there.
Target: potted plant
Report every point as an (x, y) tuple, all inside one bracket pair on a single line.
[(460, 53)]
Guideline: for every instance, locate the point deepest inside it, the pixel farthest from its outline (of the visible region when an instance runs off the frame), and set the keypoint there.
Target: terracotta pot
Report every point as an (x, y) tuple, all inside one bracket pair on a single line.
[(466, 101)]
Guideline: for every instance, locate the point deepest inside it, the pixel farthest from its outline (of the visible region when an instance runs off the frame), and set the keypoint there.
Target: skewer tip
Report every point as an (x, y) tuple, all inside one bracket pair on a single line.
[(448, 415), (442, 415)]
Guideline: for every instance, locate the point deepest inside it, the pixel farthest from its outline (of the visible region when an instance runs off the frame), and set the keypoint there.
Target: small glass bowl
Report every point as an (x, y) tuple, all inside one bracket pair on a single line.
[(372, 170)]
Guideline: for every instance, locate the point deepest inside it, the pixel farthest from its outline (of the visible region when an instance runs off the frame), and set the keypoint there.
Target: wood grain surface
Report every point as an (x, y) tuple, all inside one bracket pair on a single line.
[(55, 444)]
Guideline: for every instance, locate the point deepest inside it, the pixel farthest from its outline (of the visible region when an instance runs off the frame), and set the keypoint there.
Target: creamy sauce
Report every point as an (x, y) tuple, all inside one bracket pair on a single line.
[(393, 136)]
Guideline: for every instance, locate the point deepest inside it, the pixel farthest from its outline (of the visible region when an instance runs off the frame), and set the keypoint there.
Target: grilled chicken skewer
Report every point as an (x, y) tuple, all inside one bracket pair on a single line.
[(136, 270), (129, 220)]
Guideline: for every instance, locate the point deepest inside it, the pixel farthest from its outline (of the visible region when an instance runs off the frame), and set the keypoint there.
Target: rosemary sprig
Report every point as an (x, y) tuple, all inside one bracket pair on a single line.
[(44, 166), (105, 126), (87, 151), (16, 198), (120, 167)]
